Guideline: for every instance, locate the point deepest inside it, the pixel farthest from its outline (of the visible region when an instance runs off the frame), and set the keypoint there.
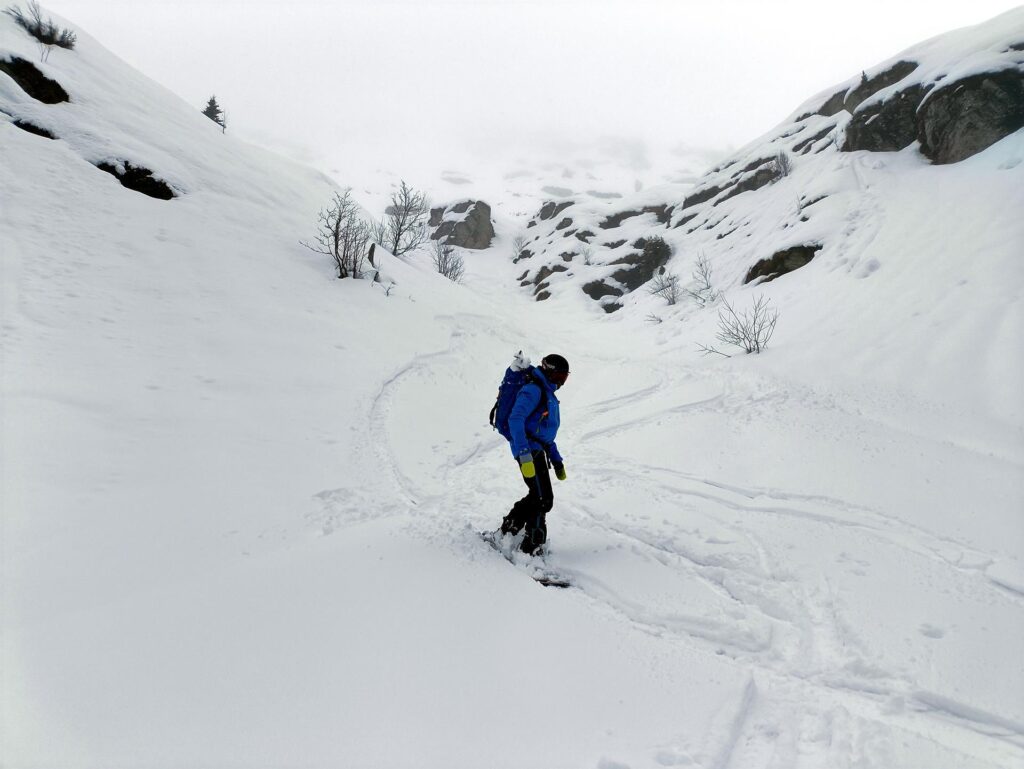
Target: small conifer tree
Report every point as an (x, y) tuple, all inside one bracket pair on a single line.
[(214, 112)]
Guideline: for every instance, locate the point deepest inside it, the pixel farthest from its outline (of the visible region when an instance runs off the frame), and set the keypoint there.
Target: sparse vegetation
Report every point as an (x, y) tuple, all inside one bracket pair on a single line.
[(342, 235), (656, 249), (46, 33), (518, 246), (587, 253), (215, 113), (449, 261), (702, 291), (406, 220), (667, 287), (783, 165), (749, 331)]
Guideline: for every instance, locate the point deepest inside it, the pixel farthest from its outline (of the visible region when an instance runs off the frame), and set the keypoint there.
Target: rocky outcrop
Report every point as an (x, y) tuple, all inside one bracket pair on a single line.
[(951, 123), (634, 270), (465, 225), (868, 87), (138, 179), (32, 128), (598, 289), (886, 126), (782, 262), (551, 209), (851, 98), (33, 82), (663, 213), (962, 119)]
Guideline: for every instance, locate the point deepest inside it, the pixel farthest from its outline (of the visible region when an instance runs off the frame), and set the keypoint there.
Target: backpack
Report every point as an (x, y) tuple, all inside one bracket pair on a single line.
[(508, 390)]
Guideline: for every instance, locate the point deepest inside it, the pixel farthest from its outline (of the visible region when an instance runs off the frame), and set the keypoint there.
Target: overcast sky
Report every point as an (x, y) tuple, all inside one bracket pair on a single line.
[(466, 78)]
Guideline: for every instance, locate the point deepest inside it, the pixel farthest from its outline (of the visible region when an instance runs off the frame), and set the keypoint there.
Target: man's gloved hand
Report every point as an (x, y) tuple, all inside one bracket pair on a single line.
[(526, 465), (559, 470)]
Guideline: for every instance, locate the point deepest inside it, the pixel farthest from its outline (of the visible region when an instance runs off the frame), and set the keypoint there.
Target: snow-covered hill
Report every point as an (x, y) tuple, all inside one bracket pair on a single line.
[(240, 496), (904, 255)]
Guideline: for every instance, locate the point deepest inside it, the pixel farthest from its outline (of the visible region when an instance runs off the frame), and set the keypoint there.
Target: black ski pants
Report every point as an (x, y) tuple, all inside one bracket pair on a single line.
[(530, 512)]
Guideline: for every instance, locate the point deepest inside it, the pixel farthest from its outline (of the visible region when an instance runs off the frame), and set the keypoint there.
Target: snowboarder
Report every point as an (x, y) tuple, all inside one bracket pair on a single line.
[(532, 425)]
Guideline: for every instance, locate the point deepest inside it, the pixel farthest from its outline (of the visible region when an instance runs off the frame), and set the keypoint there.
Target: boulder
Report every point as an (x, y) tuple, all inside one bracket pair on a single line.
[(551, 209), (885, 126), (639, 268), (465, 225), (781, 262), (962, 119)]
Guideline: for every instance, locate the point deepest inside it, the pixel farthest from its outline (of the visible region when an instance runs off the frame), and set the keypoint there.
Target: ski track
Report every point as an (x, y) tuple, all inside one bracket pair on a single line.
[(796, 643)]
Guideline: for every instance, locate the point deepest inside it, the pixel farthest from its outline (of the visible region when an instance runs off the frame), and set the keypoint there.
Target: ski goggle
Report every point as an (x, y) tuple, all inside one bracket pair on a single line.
[(555, 377)]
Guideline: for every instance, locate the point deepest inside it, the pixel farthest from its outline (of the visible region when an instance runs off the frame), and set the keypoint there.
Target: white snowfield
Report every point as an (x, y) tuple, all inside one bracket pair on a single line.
[(240, 497)]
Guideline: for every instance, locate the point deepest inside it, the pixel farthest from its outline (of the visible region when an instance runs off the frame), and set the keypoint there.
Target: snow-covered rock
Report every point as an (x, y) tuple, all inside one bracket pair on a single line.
[(465, 224)]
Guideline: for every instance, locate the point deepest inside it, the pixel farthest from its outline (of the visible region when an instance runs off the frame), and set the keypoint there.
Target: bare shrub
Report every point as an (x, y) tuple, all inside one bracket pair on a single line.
[(749, 331), (783, 164), (379, 232), (342, 235), (407, 220), (448, 261), (46, 33), (518, 246), (587, 253), (702, 291), (652, 318), (667, 287)]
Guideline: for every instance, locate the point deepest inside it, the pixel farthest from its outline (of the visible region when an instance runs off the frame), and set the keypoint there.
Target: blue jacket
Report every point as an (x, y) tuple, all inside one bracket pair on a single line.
[(534, 431)]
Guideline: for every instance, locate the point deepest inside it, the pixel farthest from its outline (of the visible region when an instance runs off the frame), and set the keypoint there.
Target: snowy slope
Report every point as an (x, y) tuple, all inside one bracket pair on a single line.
[(240, 496)]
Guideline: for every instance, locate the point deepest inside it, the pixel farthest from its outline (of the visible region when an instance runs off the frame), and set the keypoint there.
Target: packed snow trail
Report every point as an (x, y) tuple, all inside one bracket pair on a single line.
[(779, 581)]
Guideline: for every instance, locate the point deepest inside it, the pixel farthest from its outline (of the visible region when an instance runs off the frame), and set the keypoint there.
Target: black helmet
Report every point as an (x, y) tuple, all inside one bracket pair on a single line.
[(555, 369)]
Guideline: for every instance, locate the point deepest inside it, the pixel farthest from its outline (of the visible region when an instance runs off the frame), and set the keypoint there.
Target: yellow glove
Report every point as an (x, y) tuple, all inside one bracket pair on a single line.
[(526, 465), (560, 472)]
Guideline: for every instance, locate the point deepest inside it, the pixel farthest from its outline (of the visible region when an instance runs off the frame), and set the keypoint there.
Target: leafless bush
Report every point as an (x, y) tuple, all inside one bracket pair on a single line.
[(449, 261), (46, 33), (667, 287), (587, 253), (702, 292), (652, 318), (750, 330), (518, 246), (342, 235), (406, 220), (783, 164), (379, 232)]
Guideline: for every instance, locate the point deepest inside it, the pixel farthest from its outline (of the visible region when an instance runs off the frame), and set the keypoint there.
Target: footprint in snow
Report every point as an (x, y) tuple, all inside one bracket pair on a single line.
[(931, 631)]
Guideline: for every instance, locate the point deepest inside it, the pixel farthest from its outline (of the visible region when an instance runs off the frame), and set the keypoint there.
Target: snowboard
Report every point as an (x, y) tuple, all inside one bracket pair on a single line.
[(535, 565)]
